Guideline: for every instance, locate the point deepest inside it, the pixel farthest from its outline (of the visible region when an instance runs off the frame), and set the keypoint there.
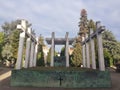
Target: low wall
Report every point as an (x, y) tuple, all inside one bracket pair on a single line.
[(61, 78)]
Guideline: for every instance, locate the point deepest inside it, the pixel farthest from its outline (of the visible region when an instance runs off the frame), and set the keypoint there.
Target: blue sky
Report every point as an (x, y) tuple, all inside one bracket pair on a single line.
[(61, 16)]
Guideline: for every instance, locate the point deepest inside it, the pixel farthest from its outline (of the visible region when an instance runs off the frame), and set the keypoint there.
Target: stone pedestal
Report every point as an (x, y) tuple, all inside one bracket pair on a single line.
[(20, 50)]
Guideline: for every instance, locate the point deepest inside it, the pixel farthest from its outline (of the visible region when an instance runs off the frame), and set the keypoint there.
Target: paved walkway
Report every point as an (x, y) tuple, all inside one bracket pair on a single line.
[(5, 82)]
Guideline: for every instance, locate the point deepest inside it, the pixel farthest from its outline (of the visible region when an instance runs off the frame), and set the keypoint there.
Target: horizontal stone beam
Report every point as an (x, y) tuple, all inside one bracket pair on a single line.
[(101, 29), (60, 41), (33, 37)]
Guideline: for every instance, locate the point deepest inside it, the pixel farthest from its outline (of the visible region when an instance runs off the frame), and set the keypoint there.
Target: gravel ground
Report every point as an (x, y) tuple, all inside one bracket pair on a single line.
[(5, 84)]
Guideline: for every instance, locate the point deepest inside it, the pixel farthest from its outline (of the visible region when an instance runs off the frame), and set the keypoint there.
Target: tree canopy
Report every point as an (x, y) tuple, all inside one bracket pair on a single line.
[(111, 45), (76, 58), (11, 39)]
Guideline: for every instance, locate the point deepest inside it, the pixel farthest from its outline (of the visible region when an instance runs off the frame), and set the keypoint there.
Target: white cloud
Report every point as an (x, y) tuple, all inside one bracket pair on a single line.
[(61, 16)]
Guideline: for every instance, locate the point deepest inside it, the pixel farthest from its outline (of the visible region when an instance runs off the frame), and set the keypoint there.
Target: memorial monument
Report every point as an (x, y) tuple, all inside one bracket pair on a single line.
[(69, 77)]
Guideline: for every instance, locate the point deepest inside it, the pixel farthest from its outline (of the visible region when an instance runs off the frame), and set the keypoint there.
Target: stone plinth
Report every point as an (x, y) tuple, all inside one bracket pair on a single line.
[(65, 77)]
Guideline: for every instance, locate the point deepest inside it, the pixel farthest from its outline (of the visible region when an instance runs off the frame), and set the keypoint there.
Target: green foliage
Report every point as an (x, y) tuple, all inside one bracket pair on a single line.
[(108, 36), (8, 29), (83, 24), (62, 53), (1, 43), (40, 58), (108, 59), (1, 38), (11, 39), (49, 57), (76, 58), (91, 24), (15, 42), (7, 52), (112, 45)]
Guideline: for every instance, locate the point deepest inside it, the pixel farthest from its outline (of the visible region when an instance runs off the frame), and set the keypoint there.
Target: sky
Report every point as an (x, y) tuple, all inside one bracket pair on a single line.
[(61, 16)]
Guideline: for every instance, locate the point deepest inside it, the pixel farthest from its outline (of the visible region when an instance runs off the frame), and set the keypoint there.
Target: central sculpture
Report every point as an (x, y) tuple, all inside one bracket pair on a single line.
[(60, 41)]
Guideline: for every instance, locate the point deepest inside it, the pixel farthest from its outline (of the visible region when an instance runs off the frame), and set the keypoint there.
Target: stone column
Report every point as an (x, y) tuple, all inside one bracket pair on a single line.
[(35, 52), (52, 50), (28, 41), (87, 53), (32, 54), (22, 28), (20, 51), (83, 52), (92, 50), (100, 49), (67, 50)]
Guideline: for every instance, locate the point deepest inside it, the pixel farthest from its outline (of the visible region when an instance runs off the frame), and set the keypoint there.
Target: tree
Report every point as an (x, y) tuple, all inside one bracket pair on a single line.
[(108, 59), (83, 24), (11, 39), (7, 53), (40, 58), (8, 29), (1, 38), (49, 57), (76, 58), (108, 36), (112, 45), (91, 24), (62, 53), (15, 42), (1, 44)]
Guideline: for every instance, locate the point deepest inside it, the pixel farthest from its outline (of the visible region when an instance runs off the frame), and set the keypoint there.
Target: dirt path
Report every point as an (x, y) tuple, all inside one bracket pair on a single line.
[(5, 84)]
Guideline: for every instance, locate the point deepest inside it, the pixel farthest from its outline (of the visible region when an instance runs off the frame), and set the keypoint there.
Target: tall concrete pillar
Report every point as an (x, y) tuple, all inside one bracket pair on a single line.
[(87, 53), (67, 50), (100, 49), (83, 53), (92, 51), (28, 42), (35, 53), (21, 27), (52, 49), (20, 50), (27, 57), (32, 54)]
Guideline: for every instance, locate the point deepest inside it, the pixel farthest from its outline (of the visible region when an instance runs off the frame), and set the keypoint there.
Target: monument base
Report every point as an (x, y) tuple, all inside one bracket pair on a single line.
[(65, 77)]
